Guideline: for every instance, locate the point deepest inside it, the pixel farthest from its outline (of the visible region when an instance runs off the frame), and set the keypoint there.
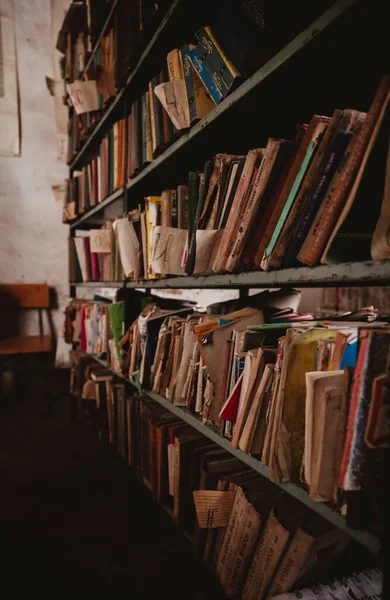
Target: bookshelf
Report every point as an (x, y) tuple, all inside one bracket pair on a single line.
[(201, 141), (146, 179)]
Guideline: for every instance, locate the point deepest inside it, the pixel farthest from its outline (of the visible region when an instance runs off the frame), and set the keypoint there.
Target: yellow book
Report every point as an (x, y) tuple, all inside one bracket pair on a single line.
[(291, 438), (226, 60), (152, 219)]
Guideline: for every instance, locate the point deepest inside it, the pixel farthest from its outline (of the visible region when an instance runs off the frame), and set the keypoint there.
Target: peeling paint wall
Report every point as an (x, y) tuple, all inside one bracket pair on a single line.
[(33, 240)]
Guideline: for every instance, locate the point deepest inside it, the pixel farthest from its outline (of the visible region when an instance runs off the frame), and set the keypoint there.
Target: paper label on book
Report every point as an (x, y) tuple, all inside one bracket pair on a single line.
[(100, 240), (83, 95), (172, 95), (208, 242), (167, 250), (213, 508)]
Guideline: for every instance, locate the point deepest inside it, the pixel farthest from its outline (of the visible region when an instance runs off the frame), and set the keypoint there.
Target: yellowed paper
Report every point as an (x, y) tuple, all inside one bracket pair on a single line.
[(167, 250), (207, 246), (100, 240), (172, 95), (213, 508), (83, 95), (129, 249)]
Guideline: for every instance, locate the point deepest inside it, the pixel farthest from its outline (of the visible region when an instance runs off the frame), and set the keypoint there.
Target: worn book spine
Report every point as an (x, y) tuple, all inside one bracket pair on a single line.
[(223, 554), (152, 118), (175, 66), (182, 206), (294, 180), (136, 138), (205, 76), (217, 59), (254, 200), (318, 235), (213, 63), (236, 535), (300, 204), (269, 550), (189, 84), (338, 148), (194, 211), (166, 207), (290, 565), (245, 549), (235, 211), (176, 481)]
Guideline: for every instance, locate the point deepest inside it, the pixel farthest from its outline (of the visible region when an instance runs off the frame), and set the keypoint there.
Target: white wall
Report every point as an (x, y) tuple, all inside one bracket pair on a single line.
[(33, 240)]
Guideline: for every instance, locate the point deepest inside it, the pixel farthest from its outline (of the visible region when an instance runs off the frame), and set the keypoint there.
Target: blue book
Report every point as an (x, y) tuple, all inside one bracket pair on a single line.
[(205, 76)]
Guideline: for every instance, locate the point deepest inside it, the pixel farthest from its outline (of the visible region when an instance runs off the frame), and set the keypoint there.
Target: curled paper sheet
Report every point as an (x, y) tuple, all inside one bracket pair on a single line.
[(172, 95), (167, 250), (100, 240), (129, 249), (83, 95)]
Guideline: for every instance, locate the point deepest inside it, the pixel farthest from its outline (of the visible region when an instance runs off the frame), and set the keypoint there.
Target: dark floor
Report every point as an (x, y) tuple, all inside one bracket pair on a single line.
[(75, 522)]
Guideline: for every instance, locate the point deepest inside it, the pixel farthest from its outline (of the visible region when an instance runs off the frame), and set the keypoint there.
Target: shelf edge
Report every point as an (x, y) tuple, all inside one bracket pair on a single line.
[(363, 537)]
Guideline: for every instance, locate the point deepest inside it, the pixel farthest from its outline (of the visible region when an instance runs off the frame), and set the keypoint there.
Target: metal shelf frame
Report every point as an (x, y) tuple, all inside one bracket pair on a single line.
[(369, 273)]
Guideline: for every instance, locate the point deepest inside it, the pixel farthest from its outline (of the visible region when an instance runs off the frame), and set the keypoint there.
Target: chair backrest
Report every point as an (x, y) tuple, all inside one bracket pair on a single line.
[(28, 295)]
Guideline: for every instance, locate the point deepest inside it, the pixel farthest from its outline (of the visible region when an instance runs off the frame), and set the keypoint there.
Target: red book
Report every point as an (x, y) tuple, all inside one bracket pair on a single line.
[(95, 267), (357, 383)]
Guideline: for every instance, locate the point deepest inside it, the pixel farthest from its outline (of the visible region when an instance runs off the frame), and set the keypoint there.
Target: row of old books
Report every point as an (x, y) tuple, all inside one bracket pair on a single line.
[(116, 55), (288, 204), (94, 255), (302, 395), (240, 37), (259, 541), (96, 327), (101, 177)]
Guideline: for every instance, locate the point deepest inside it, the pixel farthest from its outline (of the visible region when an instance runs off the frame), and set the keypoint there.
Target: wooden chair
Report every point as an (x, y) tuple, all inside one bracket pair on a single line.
[(13, 299)]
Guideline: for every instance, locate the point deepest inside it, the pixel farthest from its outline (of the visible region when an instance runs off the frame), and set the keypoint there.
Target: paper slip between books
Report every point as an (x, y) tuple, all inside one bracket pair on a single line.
[(172, 95), (128, 247), (207, 246), (83, 95), (100, 240), (213, 508), (167, 250)]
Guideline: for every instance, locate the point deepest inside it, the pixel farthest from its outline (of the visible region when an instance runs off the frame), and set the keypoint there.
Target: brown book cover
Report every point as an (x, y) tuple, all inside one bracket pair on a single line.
[(274, 205), (280, 525), (332, 205)]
